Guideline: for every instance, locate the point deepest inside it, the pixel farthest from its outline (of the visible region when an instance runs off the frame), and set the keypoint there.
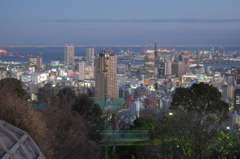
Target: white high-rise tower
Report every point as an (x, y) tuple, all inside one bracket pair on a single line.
[(81, 69), (90, 55), (69, 54)]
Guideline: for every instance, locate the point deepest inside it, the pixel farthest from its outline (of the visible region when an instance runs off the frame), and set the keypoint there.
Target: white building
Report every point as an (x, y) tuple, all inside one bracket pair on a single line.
[(90, 55), (81, 68), (69, 54)]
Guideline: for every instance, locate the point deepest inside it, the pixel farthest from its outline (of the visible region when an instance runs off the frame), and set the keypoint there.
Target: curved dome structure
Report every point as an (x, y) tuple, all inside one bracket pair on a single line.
[(17, 144)]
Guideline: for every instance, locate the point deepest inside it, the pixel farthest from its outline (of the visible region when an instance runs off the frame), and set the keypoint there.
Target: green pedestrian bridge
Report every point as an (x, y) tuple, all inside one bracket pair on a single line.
[(124, 137), (109, 104)]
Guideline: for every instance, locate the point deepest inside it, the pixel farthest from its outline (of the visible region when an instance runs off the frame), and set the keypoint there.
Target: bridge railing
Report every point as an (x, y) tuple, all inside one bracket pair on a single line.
[(40, 106), (124, 135), (111, 103)]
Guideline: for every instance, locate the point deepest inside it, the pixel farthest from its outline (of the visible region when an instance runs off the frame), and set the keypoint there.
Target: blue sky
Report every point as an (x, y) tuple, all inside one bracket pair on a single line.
[(108, 22)]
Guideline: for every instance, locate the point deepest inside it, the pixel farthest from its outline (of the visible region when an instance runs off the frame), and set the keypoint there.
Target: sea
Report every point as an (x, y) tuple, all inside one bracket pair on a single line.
[(57, 53)]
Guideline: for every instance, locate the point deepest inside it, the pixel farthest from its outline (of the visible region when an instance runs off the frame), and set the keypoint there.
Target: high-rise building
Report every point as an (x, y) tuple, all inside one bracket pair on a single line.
[(35, 61), (81, 69), (186, 63), (69, 54), (237, 100), (90, 55), (177, 68), (149, 66), (106, 74), (212, 52), (164, 68), (89, 72), (221, 51)]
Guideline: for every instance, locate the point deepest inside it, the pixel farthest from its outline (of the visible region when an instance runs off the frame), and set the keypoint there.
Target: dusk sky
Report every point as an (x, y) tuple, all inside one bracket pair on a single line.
[(109, 22)]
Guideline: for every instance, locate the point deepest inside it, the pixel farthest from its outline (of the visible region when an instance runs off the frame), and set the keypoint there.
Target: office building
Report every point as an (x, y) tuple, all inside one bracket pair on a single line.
[(69, 54), (161, 69), (212, 52), (89, 72), (237, 100), (164, 68), (186, 63), (221, 51), (149, 66), (81, 69), (35, 61), (90, 55), (177, 69), (106, 74)]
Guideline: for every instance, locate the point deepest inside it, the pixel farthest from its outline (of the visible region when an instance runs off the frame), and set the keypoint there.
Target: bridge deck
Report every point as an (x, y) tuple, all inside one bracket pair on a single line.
[(124, 137)]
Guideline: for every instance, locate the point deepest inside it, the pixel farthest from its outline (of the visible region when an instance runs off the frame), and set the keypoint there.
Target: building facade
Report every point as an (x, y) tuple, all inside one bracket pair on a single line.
[(106, 74), (177, 69), (69, 54), (81, 69), (164, 68), (149, 66), (90, 55), (35, 61), (237, 100), (185, 63)]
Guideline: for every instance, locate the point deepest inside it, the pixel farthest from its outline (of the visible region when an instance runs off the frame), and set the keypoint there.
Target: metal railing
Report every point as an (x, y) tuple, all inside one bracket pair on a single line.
[(109, 103), (124, 137)]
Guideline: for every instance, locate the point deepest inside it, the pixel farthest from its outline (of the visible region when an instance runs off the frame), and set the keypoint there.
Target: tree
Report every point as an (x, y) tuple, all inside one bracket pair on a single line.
[(138, 151), (202, 98), (144, 124), (68, 132), (182, 135), (15, 109), (179, 136), (15, 85), (92, 114), (74, 121), (66, 97)]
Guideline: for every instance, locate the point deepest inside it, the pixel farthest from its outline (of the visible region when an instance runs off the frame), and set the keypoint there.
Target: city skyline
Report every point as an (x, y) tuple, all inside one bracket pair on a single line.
[(109, 23)]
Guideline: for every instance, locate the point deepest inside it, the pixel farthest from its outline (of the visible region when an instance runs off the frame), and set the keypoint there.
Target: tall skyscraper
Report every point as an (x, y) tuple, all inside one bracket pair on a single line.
[(177, 68), (212, 51), (186, 63), (90, 55), (164, 68), (221, 51), (69, 54), (149, 66), (106, 74)]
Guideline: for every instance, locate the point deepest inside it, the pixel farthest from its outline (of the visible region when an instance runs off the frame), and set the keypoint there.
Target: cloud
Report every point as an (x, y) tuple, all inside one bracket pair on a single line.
[(187, 20)]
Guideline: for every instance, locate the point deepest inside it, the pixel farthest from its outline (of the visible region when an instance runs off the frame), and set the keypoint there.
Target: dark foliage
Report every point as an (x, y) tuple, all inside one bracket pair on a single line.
[(202, 98), (13, 84), (92, 114), (183, 135)]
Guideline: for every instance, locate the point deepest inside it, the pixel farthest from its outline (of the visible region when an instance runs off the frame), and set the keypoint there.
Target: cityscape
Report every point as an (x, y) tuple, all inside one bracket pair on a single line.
[(138, 84)]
